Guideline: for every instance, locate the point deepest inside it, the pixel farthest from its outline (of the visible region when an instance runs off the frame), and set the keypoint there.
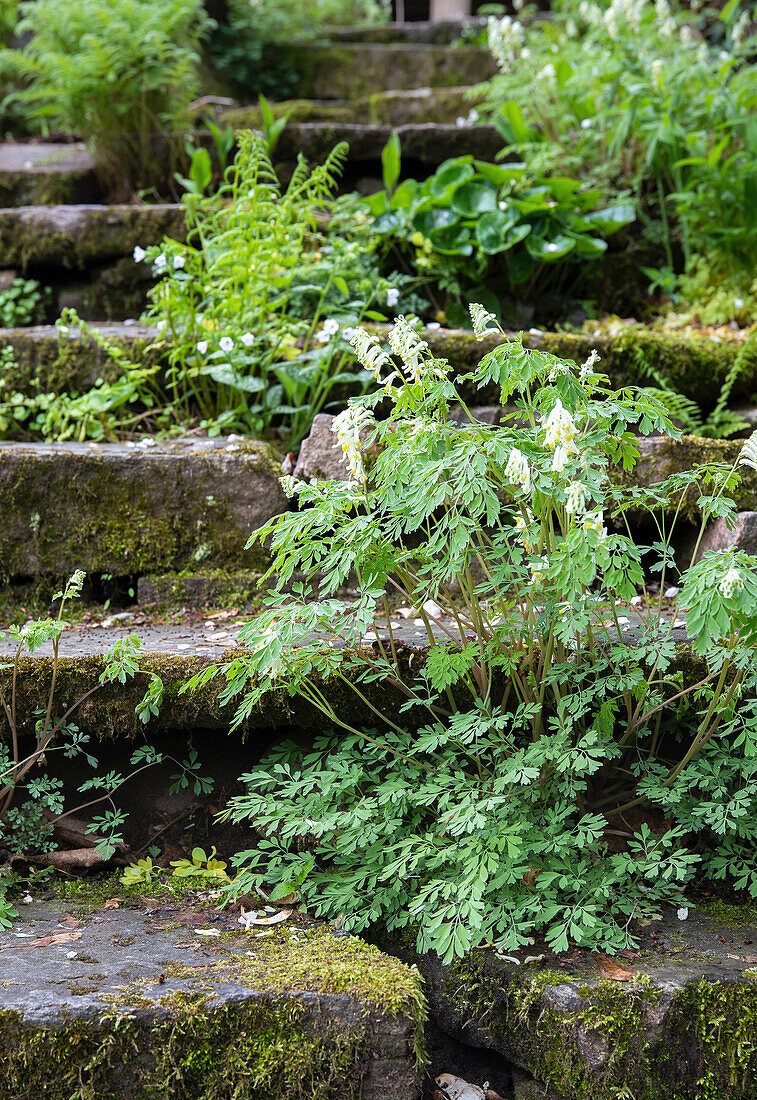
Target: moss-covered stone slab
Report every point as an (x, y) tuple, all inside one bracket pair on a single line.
[(695, 367), (440, 32), (45, 361), (196, 590), (46, 173), (69, 237), (122, 1005), (352, 70), (660, 457), (684, 1027), (429, 142), (114, 508), (413, 106)]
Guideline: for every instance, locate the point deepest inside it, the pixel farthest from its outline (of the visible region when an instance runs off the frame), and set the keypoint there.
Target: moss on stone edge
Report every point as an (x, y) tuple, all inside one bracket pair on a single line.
[(263, 1050), (606, 1041), (696, 368), (186, 1049)]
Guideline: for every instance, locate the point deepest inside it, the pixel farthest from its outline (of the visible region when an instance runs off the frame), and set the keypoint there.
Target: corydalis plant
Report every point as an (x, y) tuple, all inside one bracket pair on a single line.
[(506, 753)]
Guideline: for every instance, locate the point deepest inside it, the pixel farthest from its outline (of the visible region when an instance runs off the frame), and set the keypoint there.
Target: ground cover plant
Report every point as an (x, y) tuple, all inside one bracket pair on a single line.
[(252, 315), (114, 72), (493, 805), (651, 102), (475, 231), (31, 794)]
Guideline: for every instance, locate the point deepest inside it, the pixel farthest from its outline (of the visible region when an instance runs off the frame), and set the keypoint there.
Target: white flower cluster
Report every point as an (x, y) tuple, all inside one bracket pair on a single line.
[(518, 471), (576, 498), (522, 526), (731, 583), (347, 427), (656, 70), (407, 344), (371, 356), (484, 323), (226, 343), (505, 38), (740, 28), (329, 328), (588, 366), (665, 20), (559, 435), (625, 13)]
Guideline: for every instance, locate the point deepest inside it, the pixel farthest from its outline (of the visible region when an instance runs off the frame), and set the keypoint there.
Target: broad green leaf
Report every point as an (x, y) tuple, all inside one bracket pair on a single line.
[(473, 198)]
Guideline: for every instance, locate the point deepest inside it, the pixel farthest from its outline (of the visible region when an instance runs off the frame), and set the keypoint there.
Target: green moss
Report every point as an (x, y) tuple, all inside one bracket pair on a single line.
[(48, 365), (603, 1041), (723, 912), (262, 1051)]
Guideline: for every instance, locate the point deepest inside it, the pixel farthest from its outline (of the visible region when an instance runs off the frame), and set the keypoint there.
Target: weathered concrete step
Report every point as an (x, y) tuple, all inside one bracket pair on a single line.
[(129, 1004), (441, 32), (680, 1021), (352, 70), (694, 367), (75, 237), (394, 108), (429, 143), (47, 174), (123, 509)]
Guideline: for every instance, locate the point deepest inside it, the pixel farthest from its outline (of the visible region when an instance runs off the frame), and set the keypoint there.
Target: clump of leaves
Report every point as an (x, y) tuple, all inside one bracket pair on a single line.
[(489, 804)]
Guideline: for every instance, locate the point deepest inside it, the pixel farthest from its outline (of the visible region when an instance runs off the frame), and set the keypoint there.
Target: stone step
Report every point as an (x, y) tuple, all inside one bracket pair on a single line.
[(83, 254), (77, 237), (695, 367), (428, 143), (679, 1020), (442, 32), (46, 174), (352, 70), (133, 510), (442, 106), (133, 1001)]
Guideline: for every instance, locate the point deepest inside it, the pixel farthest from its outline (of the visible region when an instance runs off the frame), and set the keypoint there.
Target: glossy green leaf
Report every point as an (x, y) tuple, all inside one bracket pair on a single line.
[(391, 161), (610, 220), (451, 174), (550, 250), (426, 221), (473, 198), (452, 240), (492, 229)]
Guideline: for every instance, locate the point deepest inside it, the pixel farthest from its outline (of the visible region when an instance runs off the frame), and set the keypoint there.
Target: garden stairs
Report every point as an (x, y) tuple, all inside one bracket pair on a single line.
[(168, 522)]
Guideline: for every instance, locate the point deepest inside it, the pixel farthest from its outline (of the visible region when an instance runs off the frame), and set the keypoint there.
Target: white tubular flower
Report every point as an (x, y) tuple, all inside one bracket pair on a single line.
[(560, 427), (138, 253), (521, 528), (595, 521), (226, 343), (370, 355), (563, 452), (731, 583), (484, 323), (539, 569), (405, 343), (202, 346), (392, 297), (292, 486), (160, 263), (576, 498), (347, 427), (588, 366), (518, 471), (656, 70), (179, 262), (505, 39)]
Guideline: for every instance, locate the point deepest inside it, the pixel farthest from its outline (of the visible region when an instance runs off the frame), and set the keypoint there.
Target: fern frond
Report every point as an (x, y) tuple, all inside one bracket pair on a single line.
[(678, 408), (748, 456)]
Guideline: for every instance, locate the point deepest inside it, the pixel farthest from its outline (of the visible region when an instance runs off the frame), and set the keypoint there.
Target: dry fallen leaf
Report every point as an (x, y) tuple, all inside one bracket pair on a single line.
[(751, 959), (44, 941), (112, 903), (250, 917), (613, 970), (71, 922)]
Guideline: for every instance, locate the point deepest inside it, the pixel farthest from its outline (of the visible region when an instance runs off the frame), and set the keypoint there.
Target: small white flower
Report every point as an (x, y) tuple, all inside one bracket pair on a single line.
[(63, 330), (459, 122), (348, 333), (731, 583), (738, 303), (656, 69), (226, 343), (139, 253), (392, 296), (178, 262), (517, 470), (247, 339), (331, 326), (682, 913), (563, 451), (594, 521), (202, 346), (560, 427), (347, 427), (539, 570), (432, 326), (161, 325), (576, 498), (585, 123), (588, 366), (160, 263)]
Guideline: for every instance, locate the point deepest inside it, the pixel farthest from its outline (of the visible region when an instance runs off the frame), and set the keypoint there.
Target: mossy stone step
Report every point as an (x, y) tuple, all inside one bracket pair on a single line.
[(694, 367), (75, 237), (122, 509), (352, 70), (414, 106), (680, 1023), (134, 1005), (429, 143), (441, 32), (38, 173)]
